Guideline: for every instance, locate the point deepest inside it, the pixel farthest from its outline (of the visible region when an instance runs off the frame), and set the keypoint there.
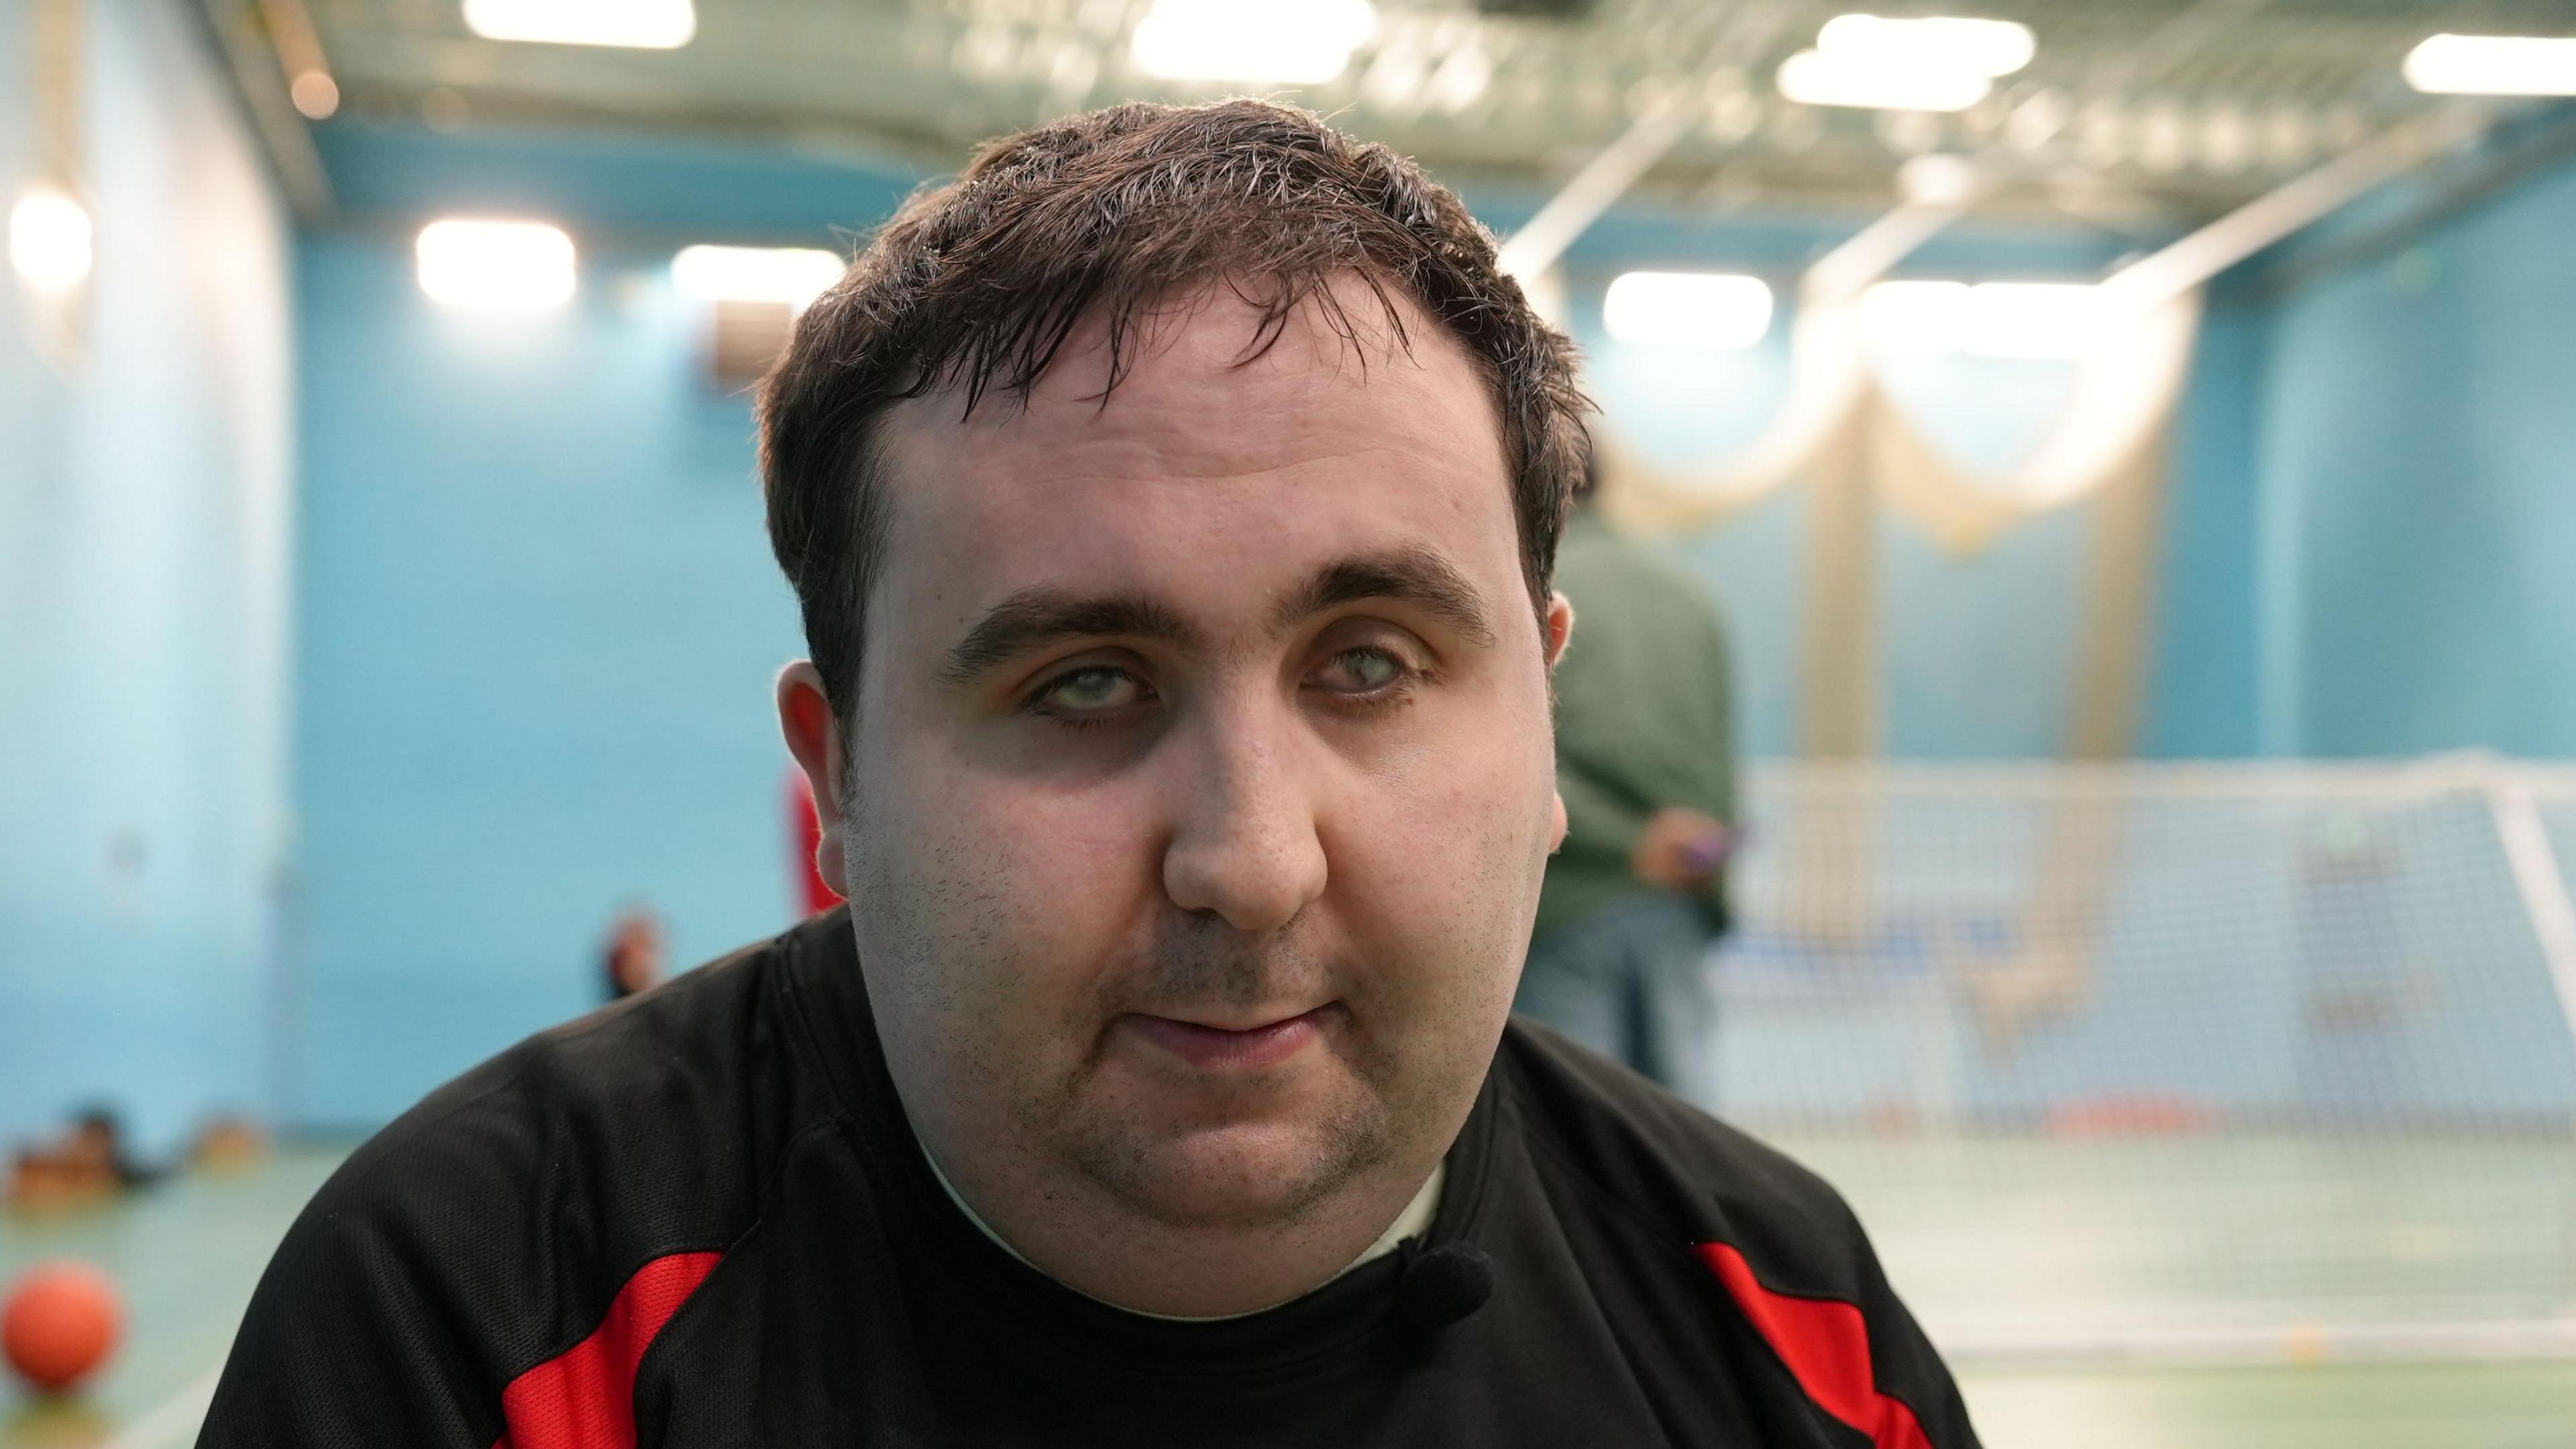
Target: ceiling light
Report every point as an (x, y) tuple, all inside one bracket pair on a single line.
[(1988, 319), (1915, 316), (793, 275), (1236, 40), (1937, 42), (1715, 310), (1938, 179), (496, 265), (640, 24), (2493, 65), (2033, 319), (316, 96), (49, 241), (1814, 78)]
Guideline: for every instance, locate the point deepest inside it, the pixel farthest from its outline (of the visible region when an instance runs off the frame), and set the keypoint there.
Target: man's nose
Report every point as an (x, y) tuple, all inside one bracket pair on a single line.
[(1244, 844)]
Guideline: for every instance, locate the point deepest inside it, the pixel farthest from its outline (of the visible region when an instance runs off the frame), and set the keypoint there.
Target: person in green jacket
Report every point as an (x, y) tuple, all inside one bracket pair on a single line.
[(1645, 763)]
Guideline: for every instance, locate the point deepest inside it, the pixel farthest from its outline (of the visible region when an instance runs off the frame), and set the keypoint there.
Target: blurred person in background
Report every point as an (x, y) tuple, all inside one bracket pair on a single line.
[(1645, 760), (635, 958)]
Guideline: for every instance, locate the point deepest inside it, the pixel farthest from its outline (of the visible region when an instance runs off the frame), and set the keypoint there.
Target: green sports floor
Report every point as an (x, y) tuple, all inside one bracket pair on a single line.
[(188, 1254)]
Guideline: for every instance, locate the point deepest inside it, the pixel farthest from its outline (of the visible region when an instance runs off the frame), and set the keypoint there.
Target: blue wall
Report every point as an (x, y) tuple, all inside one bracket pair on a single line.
[(144, 519), (541, 623), (2203, 689), (540, 620), (2418, 460), (1976, 650)]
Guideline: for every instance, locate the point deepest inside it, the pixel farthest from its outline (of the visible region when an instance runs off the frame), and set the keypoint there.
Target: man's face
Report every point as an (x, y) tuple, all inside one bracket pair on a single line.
[(1201, 783)]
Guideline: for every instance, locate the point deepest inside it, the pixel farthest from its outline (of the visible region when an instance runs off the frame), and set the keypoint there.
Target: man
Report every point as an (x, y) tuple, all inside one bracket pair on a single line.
[(1171, 500), (1645, 762)]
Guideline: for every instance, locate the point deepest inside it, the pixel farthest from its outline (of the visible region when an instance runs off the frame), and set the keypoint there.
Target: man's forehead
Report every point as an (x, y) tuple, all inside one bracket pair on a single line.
[(1204, 383), (1204, 473)]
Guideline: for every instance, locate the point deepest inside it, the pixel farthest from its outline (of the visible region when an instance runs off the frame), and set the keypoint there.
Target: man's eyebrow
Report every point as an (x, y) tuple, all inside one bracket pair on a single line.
[(1416, 576), (1034, 618)]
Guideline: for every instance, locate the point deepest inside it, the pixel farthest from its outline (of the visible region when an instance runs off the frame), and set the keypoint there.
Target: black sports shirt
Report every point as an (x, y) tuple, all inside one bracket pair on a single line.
[(700, 1217)]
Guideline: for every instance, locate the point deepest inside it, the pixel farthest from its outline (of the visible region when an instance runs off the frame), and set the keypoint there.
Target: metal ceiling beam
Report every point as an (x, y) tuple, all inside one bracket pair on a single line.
[(260, 80), (2521, 152), (1878, 248), (1609, 175), (1597, 187), (2273, 218)]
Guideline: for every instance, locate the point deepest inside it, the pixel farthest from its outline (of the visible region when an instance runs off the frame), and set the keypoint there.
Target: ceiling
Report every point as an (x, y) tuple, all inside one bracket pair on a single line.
[(2143, 112)]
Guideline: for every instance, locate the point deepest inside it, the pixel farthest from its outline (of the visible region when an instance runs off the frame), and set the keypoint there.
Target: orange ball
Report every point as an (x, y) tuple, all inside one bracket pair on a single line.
[(59, 1324)]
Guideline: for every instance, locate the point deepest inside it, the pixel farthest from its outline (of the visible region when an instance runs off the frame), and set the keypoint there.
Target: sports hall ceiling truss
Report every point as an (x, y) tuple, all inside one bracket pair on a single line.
[(2135, 113)]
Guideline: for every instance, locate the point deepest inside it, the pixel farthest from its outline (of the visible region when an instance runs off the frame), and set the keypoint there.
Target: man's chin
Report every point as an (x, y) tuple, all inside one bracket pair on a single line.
[(1244, 1175)]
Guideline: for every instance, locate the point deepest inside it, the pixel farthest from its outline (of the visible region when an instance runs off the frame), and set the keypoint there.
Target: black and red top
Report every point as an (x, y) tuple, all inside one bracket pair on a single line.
[(700, 1218)]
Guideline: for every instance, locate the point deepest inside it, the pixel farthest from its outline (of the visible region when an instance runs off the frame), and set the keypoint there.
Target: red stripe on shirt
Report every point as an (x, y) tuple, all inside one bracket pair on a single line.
[(1825, 1343), (584, 1398)]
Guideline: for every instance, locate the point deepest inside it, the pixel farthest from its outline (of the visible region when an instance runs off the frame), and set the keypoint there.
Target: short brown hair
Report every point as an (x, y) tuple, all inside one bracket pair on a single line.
[(978, 282)]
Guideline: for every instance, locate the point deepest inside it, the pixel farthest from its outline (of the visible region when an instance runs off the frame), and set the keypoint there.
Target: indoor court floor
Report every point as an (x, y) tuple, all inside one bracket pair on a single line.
[(188, 1254)]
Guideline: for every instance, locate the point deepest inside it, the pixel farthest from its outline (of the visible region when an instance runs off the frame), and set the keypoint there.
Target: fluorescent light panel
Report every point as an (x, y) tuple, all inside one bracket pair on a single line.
[(793, 275), (2493, 65), (1925, 63), (511, 266), (1715, 310), (1813, 78), (50, 241), (636, 24), (1987, 319), (1988, 48), (1306, 42)]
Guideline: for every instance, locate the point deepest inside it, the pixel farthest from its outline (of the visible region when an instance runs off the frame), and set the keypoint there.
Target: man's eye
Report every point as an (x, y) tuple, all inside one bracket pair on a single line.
[(1091, 691), (1362, 671)]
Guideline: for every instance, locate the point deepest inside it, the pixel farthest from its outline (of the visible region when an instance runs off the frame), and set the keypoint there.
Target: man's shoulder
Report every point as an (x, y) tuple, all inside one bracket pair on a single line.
[(1658, 1174), (639, 1130), (582, 1183), (1672, 1169)]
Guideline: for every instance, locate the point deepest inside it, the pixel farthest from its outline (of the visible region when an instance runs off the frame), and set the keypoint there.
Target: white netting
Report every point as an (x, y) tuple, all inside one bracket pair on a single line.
[(2175, 1060)]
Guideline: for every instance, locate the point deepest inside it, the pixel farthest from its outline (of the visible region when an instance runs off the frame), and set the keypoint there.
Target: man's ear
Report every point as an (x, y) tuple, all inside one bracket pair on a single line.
[(1560, 628), (814, 738)]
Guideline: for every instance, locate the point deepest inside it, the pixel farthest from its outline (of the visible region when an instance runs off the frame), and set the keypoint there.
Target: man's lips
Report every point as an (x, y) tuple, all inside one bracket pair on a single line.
[(1217, 1049)]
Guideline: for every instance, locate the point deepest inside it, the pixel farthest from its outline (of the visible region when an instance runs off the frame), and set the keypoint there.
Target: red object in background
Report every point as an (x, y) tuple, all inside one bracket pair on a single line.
[(60, 1322), (805, 831)]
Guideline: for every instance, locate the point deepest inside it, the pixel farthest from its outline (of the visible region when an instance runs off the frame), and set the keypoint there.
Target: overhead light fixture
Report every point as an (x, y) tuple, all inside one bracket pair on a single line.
[(1813, 78), (1927, 63), (1305, 43), (636, 24), (1986, 319), (2493, 65), (315, 95), (1938, 179), (791, 275), (1989, 48), (1915, 316), (2034, 319), (50, 241), (1720, 311), (515, 266)]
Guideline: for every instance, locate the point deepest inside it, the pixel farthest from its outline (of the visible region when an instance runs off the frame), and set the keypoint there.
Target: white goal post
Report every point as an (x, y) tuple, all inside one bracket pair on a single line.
[(2200, 1062)]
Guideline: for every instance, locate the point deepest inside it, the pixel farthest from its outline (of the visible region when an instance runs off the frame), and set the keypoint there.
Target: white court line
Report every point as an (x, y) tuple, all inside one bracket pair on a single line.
[(173, 1420)]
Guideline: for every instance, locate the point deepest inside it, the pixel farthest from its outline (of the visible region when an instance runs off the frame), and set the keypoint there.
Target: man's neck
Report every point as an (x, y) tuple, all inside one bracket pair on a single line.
[(1413, 1222), (1103, 1248)]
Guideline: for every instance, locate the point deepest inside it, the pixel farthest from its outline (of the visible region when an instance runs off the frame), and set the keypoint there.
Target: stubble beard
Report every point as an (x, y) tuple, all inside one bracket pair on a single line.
[(1145, 1165)]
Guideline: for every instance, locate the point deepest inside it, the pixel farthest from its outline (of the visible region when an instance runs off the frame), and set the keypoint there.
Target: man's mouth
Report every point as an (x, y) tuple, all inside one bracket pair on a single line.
[(1227, 1049)]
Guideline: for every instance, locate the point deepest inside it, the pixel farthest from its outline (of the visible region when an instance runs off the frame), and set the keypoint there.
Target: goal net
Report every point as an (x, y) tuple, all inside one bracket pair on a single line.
[(2176, 1062)]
